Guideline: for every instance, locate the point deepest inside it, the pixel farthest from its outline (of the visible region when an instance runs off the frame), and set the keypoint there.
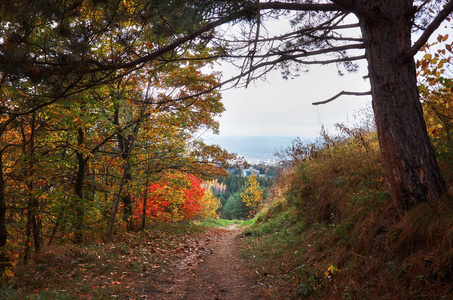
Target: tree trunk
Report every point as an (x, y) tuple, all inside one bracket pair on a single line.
[(78, 188), (145, 200), (407, 153), (127, 200), (125, 145), (4, 261), (127, 211), (33, 227), (116, 202), (125, 150)]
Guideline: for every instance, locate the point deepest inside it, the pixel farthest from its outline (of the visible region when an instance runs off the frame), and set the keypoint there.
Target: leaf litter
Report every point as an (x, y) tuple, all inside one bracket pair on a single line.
[(155, 264)]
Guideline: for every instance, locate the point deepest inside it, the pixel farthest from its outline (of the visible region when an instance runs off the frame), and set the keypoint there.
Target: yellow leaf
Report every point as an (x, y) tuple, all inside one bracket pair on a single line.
[(427, 56)]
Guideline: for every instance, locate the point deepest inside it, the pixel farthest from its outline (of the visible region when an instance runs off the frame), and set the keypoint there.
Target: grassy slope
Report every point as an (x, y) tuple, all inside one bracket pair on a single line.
[(331, 232)]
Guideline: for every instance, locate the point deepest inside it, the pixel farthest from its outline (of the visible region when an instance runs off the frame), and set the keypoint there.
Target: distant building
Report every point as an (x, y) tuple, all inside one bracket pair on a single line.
[(264, 162), (250, 171)]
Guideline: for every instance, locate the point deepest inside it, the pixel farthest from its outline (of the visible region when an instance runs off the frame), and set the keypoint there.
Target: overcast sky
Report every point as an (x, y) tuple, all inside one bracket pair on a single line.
[(278, 107)]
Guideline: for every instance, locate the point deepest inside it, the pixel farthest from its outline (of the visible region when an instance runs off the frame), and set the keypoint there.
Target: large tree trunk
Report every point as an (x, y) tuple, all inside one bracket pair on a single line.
[(408, 157)]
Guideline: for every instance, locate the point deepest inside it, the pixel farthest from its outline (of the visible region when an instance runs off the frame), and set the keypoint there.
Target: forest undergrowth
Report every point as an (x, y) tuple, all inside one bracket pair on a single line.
[(331, 231), (130, 267)]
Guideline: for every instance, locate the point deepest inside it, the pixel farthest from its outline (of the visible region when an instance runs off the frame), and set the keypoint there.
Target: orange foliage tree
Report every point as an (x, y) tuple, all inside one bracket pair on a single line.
[(177, 196)]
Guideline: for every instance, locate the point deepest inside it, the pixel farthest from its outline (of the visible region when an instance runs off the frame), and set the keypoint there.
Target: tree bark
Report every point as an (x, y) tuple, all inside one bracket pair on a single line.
[(408, 157), (79, 189), (124, 146), (33, 226), (4, 260), (116, 202)]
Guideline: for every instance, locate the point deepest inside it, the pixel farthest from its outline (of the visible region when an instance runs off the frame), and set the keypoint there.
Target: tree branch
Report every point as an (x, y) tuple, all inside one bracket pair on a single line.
[(330, 61), (277, 5), (358, 9), (443, 14), (288, 54), (422, 5), (169, 47), (341, 94)]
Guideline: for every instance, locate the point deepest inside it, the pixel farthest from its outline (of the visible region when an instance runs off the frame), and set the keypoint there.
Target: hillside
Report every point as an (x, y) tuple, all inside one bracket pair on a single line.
[(331, 231), (328, 230)]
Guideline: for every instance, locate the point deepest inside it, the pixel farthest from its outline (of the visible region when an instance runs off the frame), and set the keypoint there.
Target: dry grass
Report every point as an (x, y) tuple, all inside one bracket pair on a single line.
[(337, 213)]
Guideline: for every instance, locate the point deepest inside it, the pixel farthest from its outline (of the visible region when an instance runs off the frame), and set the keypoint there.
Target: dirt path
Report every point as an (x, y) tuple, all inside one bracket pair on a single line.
[(212, 270)]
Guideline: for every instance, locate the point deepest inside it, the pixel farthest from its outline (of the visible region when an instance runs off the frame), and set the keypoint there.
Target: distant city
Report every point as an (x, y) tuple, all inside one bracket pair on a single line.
[(267, 162), (259, 152)]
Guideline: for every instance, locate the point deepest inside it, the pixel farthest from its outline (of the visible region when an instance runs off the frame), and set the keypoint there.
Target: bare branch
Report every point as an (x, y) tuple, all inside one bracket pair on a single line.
[(293, 54), (300, 6), (255, 44), (341, 94), (328, 50), (443, 14), (297, 32), (330, 61), (422, 5), (335, 38)]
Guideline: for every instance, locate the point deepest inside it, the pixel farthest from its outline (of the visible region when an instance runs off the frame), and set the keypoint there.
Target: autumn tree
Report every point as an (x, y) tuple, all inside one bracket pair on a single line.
[(174, 197), (99, 123), (210, 206), (252, 195), (436, 90)]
